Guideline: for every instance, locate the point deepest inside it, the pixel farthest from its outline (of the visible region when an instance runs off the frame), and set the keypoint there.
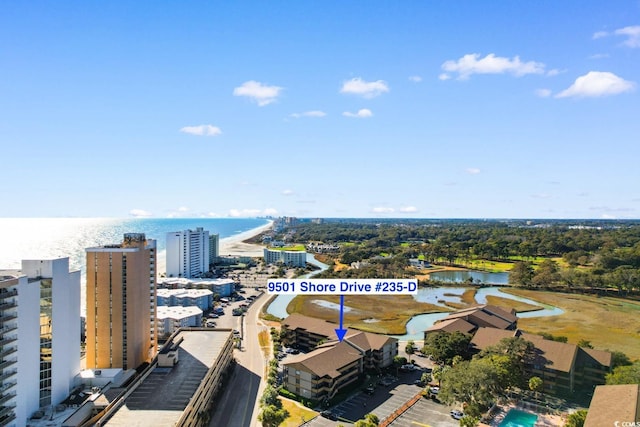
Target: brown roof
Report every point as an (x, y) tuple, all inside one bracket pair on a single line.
[(368, 341), (555, 355), (326, 359), (312, 325), (486, 315), (452, 325), (599, 356), (612, 403)]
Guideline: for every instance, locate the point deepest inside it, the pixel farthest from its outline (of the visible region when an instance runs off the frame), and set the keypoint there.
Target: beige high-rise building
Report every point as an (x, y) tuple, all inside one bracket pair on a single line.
[(121, 303)]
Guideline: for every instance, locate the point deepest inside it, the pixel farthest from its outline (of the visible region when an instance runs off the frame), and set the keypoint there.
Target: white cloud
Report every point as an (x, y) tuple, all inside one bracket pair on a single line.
[(257, 92), (473, 171), (287, 192), (607, 216), (251, 212), (357, 86), (632, 34), (408, 209), (554, 72), (543, 93), (491, 64), (202, 130), (415, 79), (541, 196), (382, 210), (183, 209), (599, 56), (599, 35), (140, 213), (444, 76), (314, 113), (597, 83), (361, 114)]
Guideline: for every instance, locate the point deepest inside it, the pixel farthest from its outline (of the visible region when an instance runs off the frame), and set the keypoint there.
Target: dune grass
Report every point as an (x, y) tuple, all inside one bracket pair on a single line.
[(608, 323), (508, 304)]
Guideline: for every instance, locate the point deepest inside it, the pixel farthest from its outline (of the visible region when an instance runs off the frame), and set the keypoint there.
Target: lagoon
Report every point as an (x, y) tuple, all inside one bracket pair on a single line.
[(468, 276)]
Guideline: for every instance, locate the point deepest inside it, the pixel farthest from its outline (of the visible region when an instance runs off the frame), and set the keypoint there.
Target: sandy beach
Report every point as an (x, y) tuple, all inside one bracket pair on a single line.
[(234, 245)]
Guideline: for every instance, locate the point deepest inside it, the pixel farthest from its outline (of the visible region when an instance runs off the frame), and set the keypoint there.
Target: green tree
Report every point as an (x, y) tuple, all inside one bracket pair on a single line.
[(469, 421), (576, 419), (270, 397), (626, 374), (546, 274), (270, 416), (369, 420), (521, 274), (444, 346), (535, 384), (585, 343), (410, 347), (425, 378), (618, 358), (438, 372)]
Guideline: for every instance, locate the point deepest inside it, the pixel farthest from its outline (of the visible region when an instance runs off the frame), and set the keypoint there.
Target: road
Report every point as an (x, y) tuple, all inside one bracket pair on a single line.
[(238, 405)]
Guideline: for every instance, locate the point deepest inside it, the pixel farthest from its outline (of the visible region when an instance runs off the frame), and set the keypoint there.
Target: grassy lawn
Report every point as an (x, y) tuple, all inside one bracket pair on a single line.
[(297, 413), (289, 248), (485, 265), (391, 314), (608, 323)]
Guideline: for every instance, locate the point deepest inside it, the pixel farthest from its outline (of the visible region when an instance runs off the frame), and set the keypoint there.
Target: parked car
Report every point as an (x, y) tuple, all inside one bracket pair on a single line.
[(434, 389), (330, 415), (456, 414)]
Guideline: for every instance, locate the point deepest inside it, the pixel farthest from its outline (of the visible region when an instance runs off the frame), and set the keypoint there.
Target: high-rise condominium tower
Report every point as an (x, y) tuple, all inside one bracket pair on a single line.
[(187, 253), (39, 337), (121, 303)]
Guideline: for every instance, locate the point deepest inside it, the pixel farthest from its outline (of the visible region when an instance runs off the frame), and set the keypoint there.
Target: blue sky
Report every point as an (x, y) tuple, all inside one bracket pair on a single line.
[(429, 109)]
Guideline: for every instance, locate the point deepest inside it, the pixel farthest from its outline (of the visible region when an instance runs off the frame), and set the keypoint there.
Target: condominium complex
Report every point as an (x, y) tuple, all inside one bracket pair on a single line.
[(121, 303), (37, 368), (282, 256), (214, 248), (188, 253)]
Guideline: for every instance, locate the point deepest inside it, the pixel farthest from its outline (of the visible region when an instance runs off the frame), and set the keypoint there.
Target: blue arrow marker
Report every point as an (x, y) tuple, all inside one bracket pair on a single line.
[(341, 332)]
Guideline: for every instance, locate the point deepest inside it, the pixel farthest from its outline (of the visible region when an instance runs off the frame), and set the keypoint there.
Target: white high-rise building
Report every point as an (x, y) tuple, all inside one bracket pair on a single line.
[(214, 248), (39, 337), (187, 253)]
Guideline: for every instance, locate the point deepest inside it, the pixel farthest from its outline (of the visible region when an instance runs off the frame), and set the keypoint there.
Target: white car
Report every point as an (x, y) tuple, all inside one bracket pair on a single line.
[(456, 414), (435, 389)]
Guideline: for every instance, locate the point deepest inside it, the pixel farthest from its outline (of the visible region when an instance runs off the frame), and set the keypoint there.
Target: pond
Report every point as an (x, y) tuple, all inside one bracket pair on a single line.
[(437, 296), (467, 276)]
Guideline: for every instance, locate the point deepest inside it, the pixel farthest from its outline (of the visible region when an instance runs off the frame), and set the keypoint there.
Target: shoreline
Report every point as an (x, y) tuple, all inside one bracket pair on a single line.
[(235, 245)]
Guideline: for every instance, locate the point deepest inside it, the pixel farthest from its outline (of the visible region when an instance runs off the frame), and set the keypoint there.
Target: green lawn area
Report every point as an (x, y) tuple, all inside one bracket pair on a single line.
[(289, 248), (298, 414)]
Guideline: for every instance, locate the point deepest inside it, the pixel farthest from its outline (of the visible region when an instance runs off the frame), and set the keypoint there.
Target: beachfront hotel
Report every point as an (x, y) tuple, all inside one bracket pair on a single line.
[(188, 253), (285, 257), (121, 303), (39, 337)]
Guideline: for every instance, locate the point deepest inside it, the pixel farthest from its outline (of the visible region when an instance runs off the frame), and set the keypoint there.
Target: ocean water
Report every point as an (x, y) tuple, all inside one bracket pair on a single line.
[(48, 238)]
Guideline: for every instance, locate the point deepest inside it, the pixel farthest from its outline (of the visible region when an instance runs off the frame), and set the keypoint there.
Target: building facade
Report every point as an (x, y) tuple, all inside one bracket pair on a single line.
[(201, 298), (172, 318), (121, 303), (188, 253), (214, 248), (39, 337), (289, 258)]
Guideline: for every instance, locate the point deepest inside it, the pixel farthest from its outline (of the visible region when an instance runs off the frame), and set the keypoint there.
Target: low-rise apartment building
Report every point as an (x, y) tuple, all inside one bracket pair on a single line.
[(470, 319), (331, 365), (564, 368)]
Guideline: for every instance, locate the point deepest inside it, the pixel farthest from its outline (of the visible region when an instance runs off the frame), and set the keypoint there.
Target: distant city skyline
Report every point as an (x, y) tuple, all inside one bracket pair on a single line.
[(410, 109)]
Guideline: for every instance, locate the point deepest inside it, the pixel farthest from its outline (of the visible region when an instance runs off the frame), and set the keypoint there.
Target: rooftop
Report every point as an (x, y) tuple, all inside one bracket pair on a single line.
[(162, 397)]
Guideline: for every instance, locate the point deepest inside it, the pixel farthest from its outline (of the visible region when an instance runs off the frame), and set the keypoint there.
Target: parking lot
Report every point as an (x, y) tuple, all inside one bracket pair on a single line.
[(387, 399)]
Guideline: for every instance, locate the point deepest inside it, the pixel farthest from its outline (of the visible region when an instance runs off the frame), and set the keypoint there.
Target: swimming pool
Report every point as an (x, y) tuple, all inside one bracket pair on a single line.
[(516, 418)]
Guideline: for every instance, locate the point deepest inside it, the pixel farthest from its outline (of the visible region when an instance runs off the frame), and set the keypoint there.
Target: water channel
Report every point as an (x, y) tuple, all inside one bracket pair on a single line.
[(436, 296)]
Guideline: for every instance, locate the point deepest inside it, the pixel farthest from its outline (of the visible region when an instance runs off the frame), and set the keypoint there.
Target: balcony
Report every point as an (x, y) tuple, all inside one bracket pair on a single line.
[(6, 318), (6, 397), (6, 363), (7, 373), (8, 294), (5, 351), (7, 305), (6, 410), (4, 340)]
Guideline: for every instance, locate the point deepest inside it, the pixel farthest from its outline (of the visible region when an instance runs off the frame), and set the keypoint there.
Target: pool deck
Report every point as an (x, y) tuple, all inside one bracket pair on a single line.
[(544, 420)]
